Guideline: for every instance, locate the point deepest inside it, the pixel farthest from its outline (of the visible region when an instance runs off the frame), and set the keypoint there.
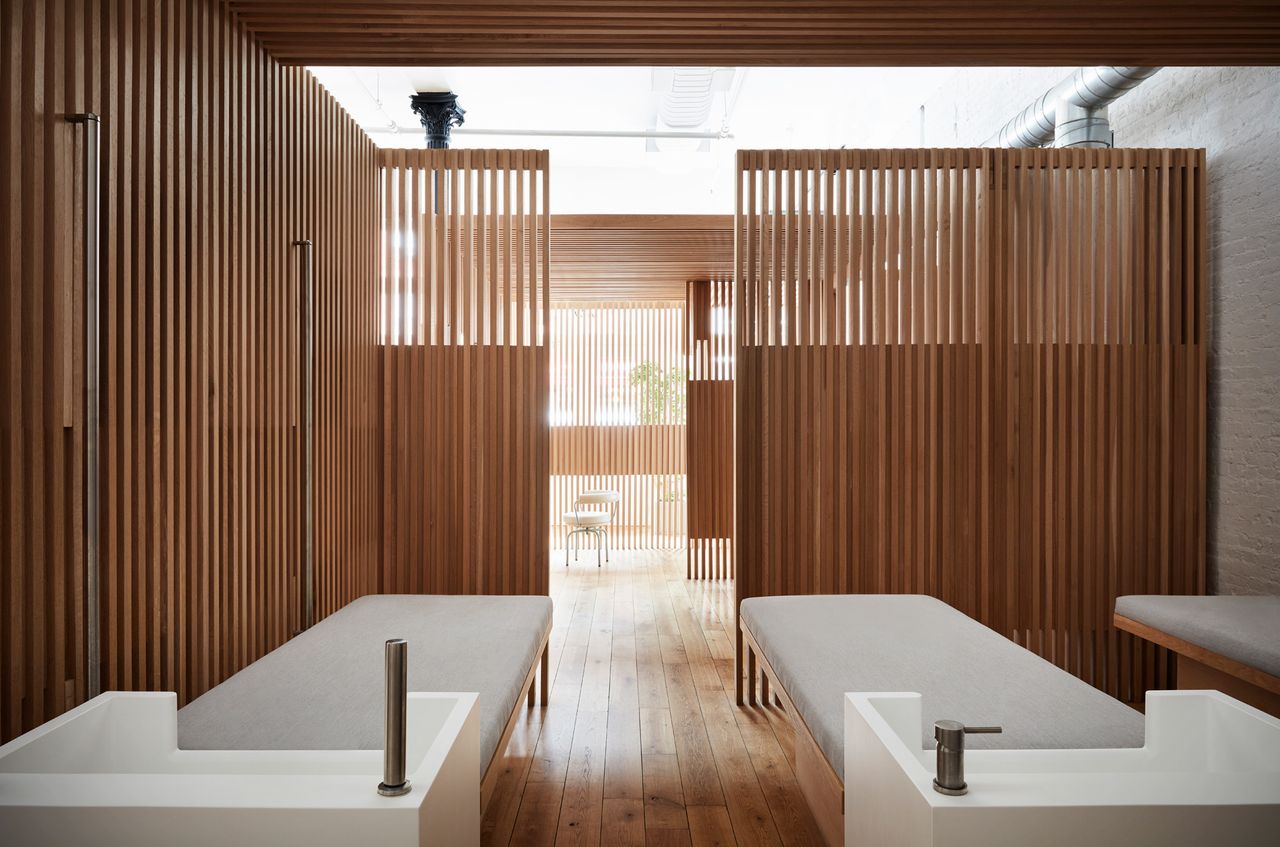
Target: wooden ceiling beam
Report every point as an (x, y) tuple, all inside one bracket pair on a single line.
[(637, 257), (751, 32)]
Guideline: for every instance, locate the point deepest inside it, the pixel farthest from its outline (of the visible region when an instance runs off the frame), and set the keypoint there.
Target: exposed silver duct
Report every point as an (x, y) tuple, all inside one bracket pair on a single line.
[(683, 99), (686, 100), (1073, 113)]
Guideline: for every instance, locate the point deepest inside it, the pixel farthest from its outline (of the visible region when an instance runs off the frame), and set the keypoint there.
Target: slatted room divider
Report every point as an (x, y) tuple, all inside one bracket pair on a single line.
[(214, 161), (618, 417), (465, 298), (980, 375), (709, 349)]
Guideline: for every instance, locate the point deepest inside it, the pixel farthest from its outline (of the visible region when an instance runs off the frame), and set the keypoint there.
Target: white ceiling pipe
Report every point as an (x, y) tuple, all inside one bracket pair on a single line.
[(1090, 89)]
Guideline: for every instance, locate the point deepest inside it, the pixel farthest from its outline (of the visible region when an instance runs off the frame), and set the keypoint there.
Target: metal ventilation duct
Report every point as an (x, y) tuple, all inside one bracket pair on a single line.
[(686, 104), (684, 98), (1073, 113)]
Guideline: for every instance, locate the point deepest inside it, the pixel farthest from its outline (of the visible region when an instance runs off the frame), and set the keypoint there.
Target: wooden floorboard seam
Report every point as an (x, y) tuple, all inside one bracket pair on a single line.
[(641, 743)]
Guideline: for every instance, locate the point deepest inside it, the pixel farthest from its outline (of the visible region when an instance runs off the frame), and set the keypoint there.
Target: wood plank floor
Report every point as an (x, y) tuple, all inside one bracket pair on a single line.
[(641, 742)]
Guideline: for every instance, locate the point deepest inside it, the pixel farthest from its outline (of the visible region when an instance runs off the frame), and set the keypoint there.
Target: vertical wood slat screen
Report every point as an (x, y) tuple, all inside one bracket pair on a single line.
[(607, 430), (976, 374), (214, 160), (465, 294), (709, 350)]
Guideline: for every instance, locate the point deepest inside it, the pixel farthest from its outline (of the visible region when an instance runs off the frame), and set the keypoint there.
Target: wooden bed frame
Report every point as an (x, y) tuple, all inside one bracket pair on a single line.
[(1200, 668), (493, 770), (822, 788)]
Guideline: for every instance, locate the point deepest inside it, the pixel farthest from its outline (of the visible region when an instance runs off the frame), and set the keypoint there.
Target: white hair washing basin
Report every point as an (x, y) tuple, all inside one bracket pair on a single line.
[(1209, 773), (109, 772)]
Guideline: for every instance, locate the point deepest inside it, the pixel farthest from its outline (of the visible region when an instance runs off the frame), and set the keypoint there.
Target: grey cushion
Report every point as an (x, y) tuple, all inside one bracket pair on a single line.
[(1246, 629), (323, 690), (822, 646)]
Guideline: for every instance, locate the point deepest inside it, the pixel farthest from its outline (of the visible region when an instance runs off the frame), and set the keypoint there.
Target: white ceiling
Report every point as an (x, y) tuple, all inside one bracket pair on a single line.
[(762, 108)]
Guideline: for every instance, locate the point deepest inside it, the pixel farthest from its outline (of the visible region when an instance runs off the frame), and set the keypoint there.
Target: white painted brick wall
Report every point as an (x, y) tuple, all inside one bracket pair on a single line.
[(1234, 113)]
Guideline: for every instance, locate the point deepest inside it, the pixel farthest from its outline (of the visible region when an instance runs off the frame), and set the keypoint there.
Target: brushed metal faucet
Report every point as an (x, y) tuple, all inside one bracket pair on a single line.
[(394, 782), (950, 737)]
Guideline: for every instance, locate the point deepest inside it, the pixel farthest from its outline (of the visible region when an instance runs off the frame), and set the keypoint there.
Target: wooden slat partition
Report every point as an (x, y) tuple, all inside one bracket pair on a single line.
[(214, 160), (976, 374), (709, 349), (465, 296), (607, 430)]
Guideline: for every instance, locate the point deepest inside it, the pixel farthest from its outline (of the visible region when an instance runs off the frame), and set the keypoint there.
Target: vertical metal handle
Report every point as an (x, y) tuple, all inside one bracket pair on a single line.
[(394, 783), (306, 307), (93, 632)]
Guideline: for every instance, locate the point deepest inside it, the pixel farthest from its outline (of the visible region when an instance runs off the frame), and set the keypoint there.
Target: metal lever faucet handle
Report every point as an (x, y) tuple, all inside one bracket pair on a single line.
[(950, 771)]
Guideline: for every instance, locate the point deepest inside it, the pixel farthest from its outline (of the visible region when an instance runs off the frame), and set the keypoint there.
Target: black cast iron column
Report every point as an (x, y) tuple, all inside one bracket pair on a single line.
[(440, 112)]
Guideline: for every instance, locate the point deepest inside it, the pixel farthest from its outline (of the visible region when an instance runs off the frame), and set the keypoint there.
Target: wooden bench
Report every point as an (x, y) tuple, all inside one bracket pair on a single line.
[(1231, 644), (814, 649), (323, 690)]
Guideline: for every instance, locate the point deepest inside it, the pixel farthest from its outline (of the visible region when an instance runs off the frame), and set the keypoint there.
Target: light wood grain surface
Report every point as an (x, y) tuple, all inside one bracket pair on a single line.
[(641, 742), (980, 375), (611, 431), (1199, 668), (709, 346), (623, 258), (214, 160), (465, 293), (748, 32)]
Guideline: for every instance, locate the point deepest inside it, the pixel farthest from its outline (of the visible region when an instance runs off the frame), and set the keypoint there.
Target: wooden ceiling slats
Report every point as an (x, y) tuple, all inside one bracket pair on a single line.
[(637, 257), (914, 32)]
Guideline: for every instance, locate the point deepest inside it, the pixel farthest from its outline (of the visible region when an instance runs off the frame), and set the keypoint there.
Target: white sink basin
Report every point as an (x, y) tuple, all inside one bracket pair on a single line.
[(1209, 773), (110, 773)]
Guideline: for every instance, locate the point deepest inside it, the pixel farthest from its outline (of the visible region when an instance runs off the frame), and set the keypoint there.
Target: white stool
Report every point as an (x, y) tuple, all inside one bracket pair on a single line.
[(593, 513)]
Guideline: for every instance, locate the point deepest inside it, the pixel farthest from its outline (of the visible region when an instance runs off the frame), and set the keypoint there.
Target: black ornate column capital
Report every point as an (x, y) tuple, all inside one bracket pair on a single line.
[(439, 112)]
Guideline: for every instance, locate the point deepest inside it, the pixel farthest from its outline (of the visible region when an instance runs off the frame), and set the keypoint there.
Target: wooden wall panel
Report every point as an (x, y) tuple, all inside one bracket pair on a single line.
[(976, 374), (730, 32), (710, 351), (607, 430), (465, 296), (214, 160), (617, 450), (42, 660)]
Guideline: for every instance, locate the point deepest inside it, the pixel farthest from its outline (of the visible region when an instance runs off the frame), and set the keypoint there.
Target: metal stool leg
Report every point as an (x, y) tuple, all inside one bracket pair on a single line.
[(567, 535), (597, 535)]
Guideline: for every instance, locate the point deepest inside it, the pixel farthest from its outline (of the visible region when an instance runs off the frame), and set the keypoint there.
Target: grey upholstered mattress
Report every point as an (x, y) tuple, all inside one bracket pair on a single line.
[(822, 646), (1246, 629), (323, 690)]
